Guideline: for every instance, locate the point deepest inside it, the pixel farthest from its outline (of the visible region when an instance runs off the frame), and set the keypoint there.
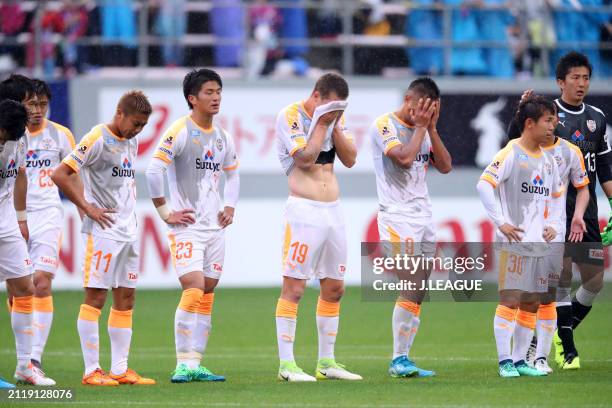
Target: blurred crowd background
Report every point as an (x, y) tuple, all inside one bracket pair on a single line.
[(491, 38)]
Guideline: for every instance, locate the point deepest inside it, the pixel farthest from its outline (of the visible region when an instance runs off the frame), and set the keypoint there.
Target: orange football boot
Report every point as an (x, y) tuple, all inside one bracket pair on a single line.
[(132, 377), (100, 378)]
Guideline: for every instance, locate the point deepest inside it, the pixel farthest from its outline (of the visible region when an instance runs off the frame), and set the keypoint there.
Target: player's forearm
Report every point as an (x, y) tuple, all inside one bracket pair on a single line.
[(345, 148), (409, 151), (21, 191), (582, 201), (487, 197), (443, 161), (231, 190), (306, 157), (63, 180)]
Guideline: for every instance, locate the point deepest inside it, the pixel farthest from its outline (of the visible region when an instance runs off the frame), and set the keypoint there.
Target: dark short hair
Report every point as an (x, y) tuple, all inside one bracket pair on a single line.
[(16, 87), (195, 79), (332, 82), (572, 60), (533, 107), (13, 118), (41, 88), (134, 102), (425, 87)]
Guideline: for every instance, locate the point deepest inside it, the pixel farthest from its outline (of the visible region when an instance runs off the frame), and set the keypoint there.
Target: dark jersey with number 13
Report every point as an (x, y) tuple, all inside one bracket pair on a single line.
[(585, 127)]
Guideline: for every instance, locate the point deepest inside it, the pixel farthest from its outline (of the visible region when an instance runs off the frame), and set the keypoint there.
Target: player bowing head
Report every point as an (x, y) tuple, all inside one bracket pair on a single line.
[(132, 114), (106, 158)]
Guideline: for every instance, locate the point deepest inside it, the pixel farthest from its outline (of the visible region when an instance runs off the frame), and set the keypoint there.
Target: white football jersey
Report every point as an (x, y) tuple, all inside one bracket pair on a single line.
[(526, 184), (195, 158), (12, 158), (292, 127), (106, 163), (44, 151), (399, 189), (570, 161)]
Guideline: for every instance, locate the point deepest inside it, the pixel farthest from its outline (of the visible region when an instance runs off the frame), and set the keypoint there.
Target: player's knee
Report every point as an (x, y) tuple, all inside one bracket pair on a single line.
[(42, 284), (510, 303), (333, 293), (96, 299), (190, 300), (529, 305), (21, 287), (292, 293), (210, 285), (547, 298)]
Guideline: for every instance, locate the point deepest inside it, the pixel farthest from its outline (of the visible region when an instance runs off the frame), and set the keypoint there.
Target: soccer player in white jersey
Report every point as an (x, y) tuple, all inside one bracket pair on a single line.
[(517, 190), (105, 159), (47, 143), (404, 144), (315, 239), (15, 264), (194, 153), (571, 169)]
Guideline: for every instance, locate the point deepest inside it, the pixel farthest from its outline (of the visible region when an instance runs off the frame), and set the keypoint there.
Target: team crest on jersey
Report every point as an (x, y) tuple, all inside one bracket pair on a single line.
[(548, 168), (109, 140), (592, 125), (219, 144), (46, 143)]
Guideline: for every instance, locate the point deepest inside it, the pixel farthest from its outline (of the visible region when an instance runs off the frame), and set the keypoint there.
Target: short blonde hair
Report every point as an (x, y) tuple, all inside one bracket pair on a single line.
[(135, 101)]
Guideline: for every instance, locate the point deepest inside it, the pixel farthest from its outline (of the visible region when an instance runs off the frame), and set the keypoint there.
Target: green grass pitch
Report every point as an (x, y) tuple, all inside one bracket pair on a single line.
[(455, 339)]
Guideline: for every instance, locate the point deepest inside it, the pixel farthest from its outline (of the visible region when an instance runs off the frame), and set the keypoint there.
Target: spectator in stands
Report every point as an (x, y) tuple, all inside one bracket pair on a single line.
[(12, 20), (75, 18), (171, 26), (263, 52), (329, 23), (494, 23), (227, 24), (371, 60), (466, 60), (51, 23), (425, 24), (538, 23), (119, 27)]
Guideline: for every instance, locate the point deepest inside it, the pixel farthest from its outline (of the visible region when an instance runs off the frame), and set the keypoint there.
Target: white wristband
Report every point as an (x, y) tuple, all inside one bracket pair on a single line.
[(163, 211), (22, 216)]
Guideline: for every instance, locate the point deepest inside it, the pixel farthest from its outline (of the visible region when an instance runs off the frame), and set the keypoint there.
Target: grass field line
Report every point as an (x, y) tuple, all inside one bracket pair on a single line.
[(149, 352)]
